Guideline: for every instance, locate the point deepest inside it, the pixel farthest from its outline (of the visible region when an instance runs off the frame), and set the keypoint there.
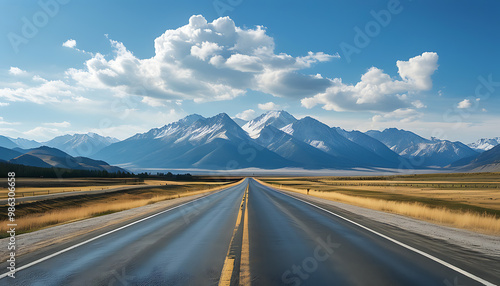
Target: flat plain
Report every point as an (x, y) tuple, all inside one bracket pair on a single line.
[(38, 214), (470, 201)]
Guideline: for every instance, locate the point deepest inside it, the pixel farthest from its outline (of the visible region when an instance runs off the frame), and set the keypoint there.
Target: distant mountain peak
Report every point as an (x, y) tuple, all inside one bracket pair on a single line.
[(276, 137), (81, 144), (433, 152), (276, 118), (485, 144), (192, 118), (222, 117)]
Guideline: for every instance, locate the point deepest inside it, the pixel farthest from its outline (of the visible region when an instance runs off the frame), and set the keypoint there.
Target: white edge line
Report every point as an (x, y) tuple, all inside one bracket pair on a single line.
[(459, 270), (101, 235)]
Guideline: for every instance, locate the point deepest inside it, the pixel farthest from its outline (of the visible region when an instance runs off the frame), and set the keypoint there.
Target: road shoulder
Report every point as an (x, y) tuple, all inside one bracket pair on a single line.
[(482, 243), (55, 236)]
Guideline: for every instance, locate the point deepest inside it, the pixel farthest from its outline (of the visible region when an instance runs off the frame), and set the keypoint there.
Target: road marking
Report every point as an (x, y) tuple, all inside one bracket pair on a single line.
[(442, 262), (104, 234), (245, 248), (227, 269)]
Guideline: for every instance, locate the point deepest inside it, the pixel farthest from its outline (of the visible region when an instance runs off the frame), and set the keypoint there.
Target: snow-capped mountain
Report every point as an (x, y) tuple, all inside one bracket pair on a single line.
[(275, 139), (397, 140), (81, 144), (194, 142), (372, 144), (25, 143), (421, 151), (328, 140), (275, 118), (298, 151), (484, 144)]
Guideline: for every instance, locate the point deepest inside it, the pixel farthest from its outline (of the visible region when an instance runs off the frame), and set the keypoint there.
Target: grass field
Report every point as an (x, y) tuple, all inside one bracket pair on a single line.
[(37, 215), (36, 186), (469, 201), (40, 186)]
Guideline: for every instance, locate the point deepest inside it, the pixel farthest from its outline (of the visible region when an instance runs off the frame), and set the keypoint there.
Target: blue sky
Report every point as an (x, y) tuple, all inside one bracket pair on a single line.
[(426, 66)]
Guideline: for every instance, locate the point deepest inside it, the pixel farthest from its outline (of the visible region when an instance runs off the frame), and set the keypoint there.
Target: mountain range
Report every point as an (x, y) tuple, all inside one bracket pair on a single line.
[(81, 144), (194, 142), (47, 157), (275, 139), (76, 145), (420, 151)]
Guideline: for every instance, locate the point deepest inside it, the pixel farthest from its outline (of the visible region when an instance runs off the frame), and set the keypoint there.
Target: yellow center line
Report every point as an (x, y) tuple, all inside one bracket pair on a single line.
[(227, 269), (245, 250)]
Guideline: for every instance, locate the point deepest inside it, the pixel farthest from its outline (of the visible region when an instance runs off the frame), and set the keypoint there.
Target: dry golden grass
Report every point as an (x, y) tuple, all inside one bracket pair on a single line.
[(469, 192), (37, 221), (474, 221), (33, 191), (119, 202), (37, 191)]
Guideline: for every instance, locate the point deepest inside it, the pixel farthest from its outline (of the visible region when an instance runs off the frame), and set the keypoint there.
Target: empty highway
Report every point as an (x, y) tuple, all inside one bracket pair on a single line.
[(251, 234)]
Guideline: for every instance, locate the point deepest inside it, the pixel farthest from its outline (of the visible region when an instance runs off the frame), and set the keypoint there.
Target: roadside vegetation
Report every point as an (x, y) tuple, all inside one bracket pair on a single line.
[(36, 215), (467, 201)]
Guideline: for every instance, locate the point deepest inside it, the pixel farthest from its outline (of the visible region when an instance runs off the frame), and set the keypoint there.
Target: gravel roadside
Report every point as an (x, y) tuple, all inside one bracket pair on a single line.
[(486, 244)]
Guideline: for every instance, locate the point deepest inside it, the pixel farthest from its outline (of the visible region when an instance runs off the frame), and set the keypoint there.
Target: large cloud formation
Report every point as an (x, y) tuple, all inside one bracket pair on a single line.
[(377, 91), (205, 61)]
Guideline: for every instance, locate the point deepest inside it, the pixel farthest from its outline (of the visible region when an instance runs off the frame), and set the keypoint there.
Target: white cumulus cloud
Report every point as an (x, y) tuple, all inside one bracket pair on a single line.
[(269, 106), (154, 102), (204, 61), (418, 104), (45, 92), (378, 91), (401, 115), (16, 71), (247, 115), (70, 44), (466, 103)]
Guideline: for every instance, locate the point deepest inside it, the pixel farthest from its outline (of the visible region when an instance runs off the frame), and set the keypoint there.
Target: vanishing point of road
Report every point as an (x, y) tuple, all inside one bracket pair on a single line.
[(252, 234)]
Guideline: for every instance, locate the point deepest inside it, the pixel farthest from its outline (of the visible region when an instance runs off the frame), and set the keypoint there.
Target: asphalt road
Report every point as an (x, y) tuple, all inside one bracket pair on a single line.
[(288, 241)]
